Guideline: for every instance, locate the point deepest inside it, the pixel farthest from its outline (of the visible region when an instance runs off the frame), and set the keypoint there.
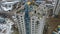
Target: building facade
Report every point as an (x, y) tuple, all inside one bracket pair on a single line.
[(31, 23), (36, 24), (56, 9)]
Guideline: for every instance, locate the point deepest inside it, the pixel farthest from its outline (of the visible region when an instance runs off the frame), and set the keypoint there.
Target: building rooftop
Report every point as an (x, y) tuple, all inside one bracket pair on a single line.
[(2, 20)]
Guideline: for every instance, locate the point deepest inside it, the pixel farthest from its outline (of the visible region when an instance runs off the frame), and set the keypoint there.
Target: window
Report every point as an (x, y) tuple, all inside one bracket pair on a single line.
[(21, 21), (18, 20), (35, 12), (32, 24), (27, 32), (21, 16), (33, 30), (27, 28), (9, 5), (32, 21), (37, 22)]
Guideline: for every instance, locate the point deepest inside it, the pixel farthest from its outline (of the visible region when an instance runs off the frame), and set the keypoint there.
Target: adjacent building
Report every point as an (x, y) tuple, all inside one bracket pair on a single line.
[(5, 26), (56, 9), (7, 5)]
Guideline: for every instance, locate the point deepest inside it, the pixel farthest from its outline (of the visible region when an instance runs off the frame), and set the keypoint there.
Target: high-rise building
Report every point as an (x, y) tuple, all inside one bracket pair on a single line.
[(31, 22), (56, 9)]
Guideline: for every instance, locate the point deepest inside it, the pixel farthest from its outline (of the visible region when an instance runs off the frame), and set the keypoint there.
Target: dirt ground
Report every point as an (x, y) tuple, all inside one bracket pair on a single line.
[(52, 24)]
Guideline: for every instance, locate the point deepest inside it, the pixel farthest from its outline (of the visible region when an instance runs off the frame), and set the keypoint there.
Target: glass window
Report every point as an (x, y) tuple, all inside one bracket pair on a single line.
[(32, 24), (33, 30), (35, 12), (21, 21), (9, 5), (27, 32), (32, 21), (37, 22), (21, 16), (18, 20), (27, 28)]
